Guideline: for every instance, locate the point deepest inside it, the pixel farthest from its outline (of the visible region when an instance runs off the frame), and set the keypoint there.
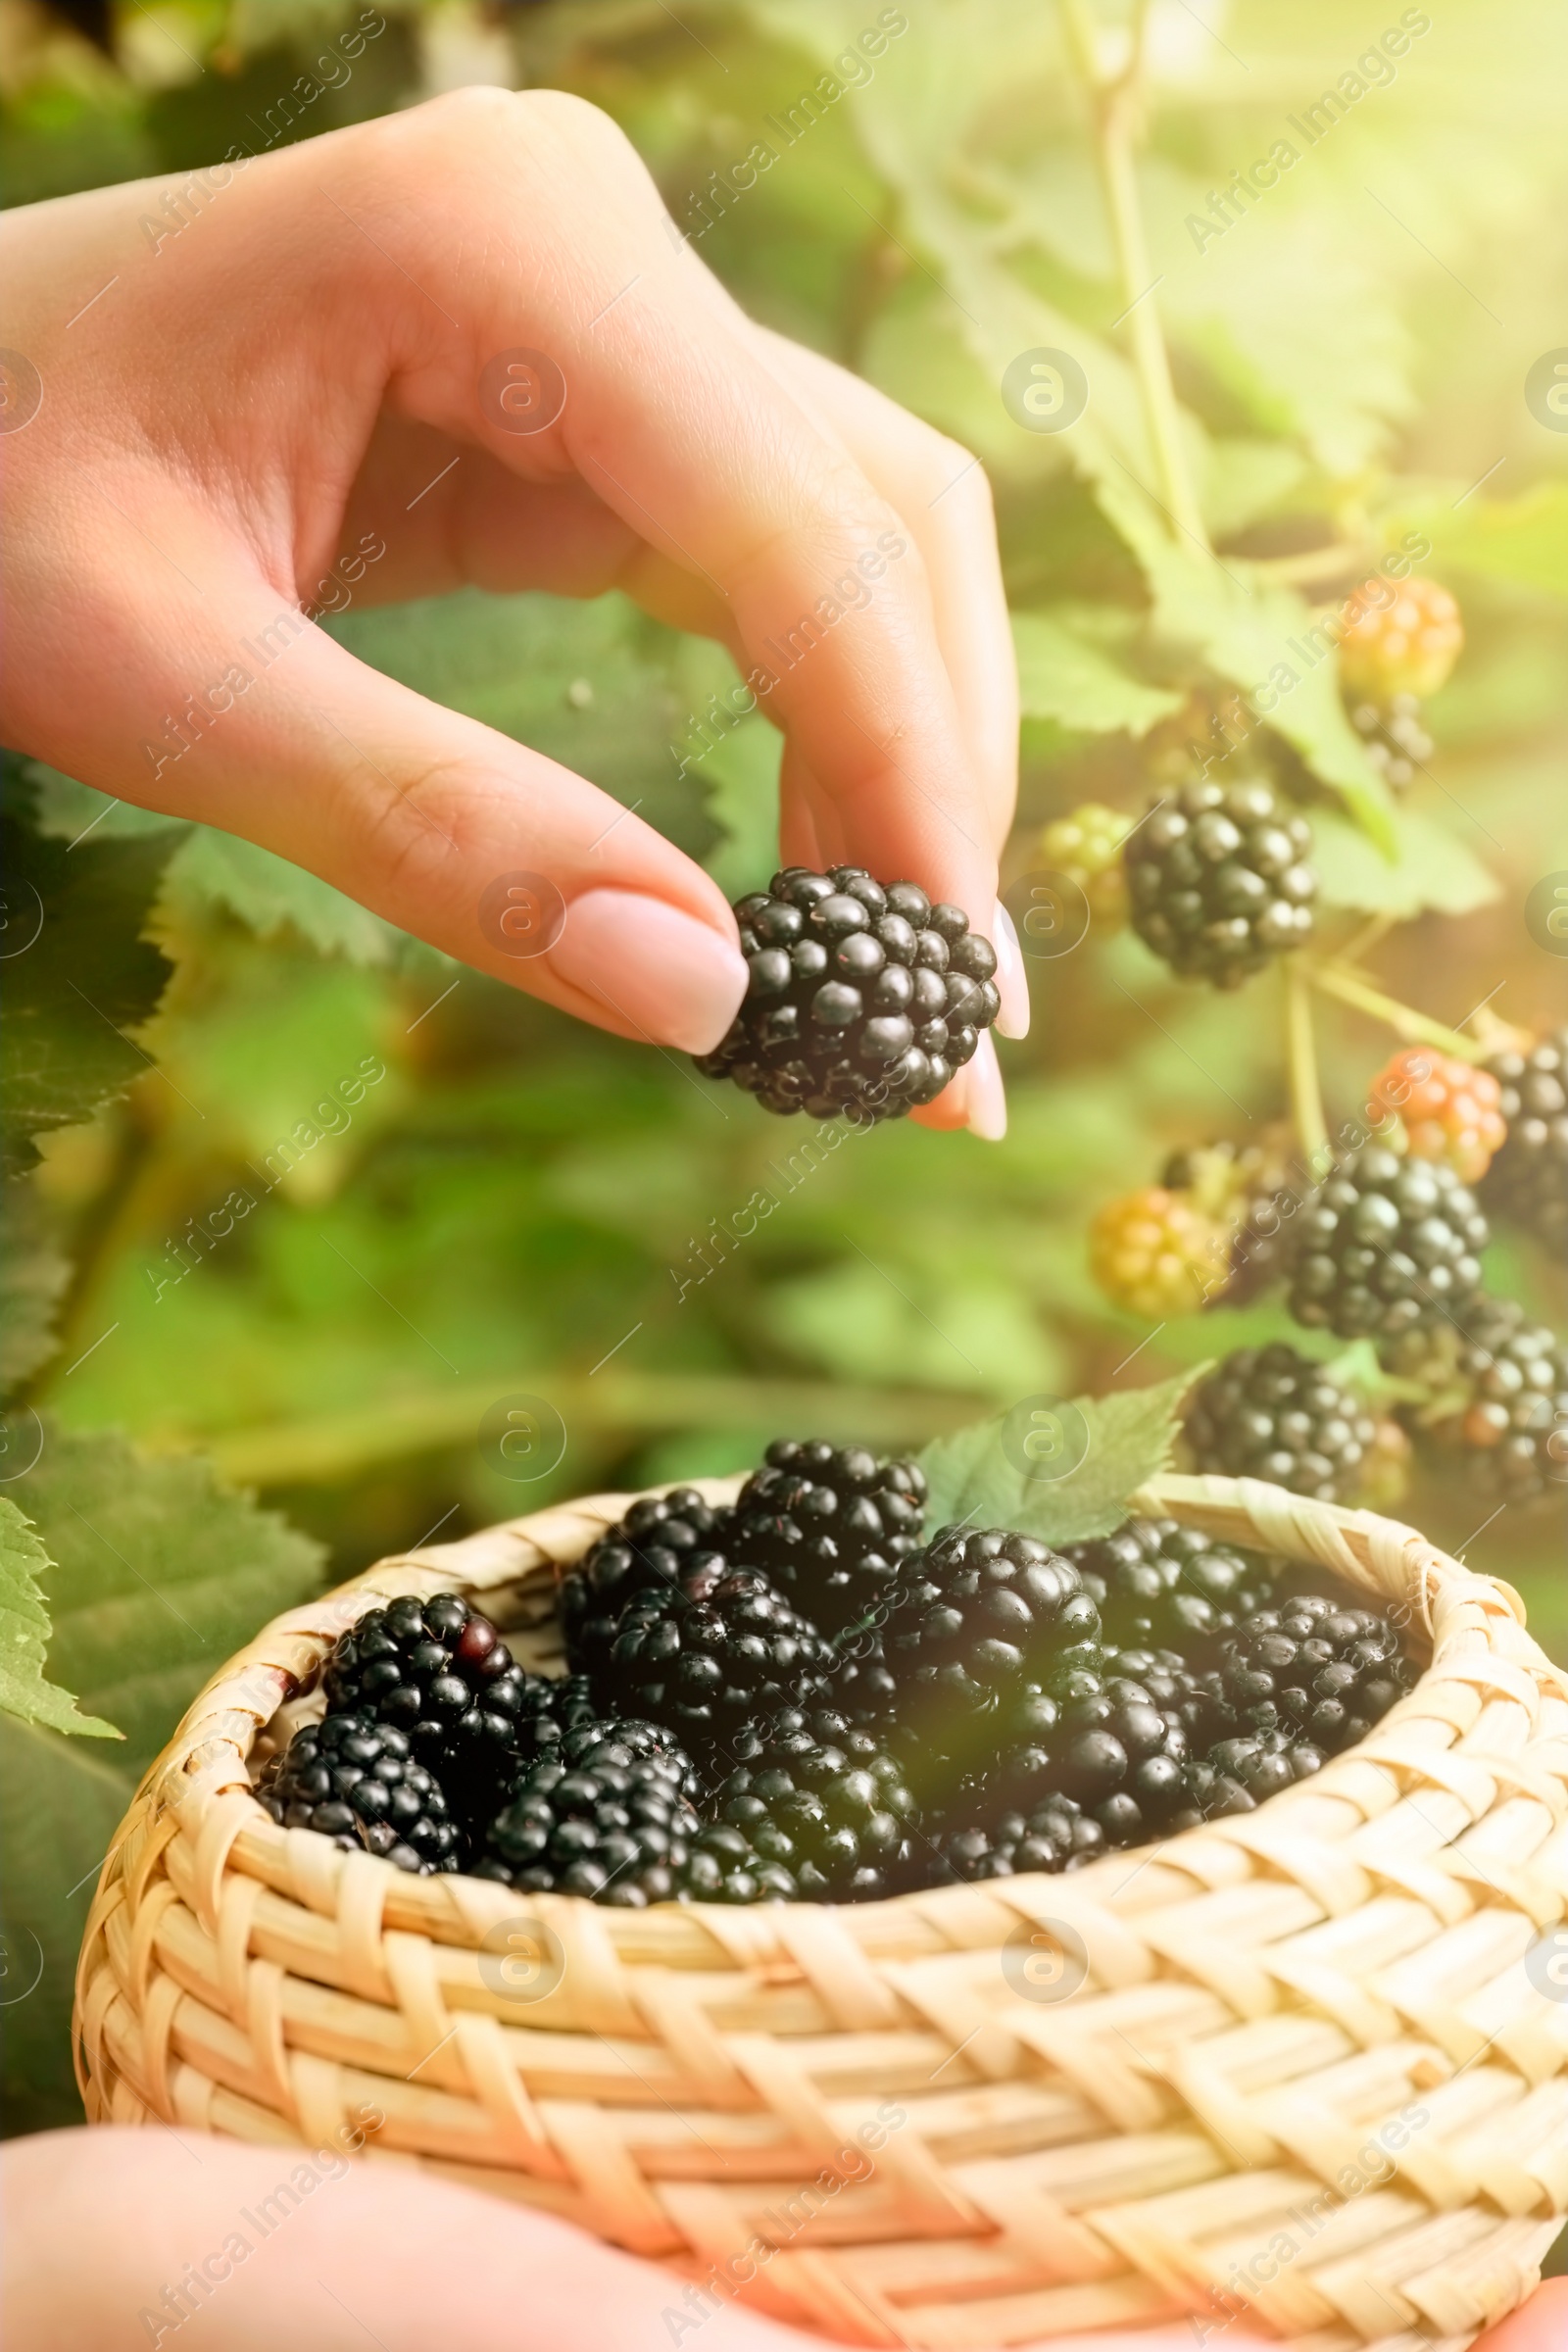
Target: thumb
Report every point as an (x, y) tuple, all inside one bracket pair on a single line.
[(452, 831)]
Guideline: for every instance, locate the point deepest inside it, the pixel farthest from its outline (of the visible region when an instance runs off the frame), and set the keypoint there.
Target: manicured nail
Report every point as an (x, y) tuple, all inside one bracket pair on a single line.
[(988, 1102), (1012, 981), (665, 971)]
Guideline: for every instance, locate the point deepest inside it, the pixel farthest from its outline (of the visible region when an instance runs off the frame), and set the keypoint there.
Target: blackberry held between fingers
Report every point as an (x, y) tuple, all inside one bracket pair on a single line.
[(863, 998), (1162, 1586), (616, 1832), (701, 1656), (354, 1781), (1387, 1246), (828, 1526), (1267, 1412), (1528, 1181), (821, 1798), (1314, 1670), (1218, 880)]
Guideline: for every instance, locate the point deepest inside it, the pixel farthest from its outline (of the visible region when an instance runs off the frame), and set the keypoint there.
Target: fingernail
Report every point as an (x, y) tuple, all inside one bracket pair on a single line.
[(1012, 981), (988, 1102), (662, 970)]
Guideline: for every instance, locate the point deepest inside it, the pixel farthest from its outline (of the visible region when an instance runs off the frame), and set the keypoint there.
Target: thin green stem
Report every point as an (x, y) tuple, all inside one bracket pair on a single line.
[(1416, 1028), (1300, 1062), (1116, 105)]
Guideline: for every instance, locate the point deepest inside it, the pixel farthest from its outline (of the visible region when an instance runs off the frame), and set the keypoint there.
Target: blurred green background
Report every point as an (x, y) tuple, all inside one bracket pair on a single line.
[(513, 1206)]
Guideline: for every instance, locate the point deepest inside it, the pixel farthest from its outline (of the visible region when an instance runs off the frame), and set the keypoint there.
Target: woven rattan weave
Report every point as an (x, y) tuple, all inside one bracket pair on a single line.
[(1311, 2060)]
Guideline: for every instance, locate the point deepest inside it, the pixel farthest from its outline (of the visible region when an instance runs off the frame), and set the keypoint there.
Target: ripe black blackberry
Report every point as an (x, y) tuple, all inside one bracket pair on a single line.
[(659, 1539), (1387, 1246), (1528, 1181), (863, 998), (1268, 1412), (828, 1525), (1315, 1670), (614, 1826), (724, 1866), (1162, 1587), (973, 1617), (1240, 1772), (1056, 1835), (439, 1672), (1515, 1425), (817, 1795), (354, 1781), (703, 1655), (1115, 1751), (1218, 880)]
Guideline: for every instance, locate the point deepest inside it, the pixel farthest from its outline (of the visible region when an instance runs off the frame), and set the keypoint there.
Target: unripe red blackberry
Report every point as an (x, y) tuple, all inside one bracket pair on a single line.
[(1219, 881), (863, 998), (1268, 1412), (1448, 1109), (1153, 1253), (1406, 645), (1385, 1246), (828, 1525), (1527, 1182)]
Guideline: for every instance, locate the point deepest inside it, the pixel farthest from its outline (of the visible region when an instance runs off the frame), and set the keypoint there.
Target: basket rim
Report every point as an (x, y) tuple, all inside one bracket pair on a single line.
[(203, 1781)]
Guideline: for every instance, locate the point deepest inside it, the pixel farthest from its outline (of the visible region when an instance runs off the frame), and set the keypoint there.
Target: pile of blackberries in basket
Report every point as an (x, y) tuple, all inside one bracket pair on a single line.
[(800, 1698)]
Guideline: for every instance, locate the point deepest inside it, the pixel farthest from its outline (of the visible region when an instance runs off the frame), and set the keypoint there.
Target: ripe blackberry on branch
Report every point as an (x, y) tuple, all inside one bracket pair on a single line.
[(1162, 1586), (861, 998), (614, 1826), (1314, 1670), (1219, 882), (1268, 1412), (828, 1526), (1447, 1108), (703, 1655), (354, 1779), (1528, 1181), (818, 1796), (1397, 743), (1516, 1422), (661, 1538), (1387, 1246)]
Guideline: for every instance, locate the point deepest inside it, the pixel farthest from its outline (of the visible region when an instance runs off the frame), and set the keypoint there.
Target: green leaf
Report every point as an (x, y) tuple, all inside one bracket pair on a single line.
[(1522, 540), (160, 1576), (24, 1634), (1063, 676), (61, 1807), (33, 1274), (82, 976), (742, 774), (1431, 868), (268, 896), (1131, 1438)]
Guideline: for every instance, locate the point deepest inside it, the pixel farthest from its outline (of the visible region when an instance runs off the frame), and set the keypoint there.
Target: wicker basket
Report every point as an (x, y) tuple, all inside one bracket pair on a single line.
[(1308, 2060)]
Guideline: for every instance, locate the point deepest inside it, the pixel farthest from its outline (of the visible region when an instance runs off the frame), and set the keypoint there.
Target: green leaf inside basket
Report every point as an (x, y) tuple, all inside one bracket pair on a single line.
[(990, 1475)]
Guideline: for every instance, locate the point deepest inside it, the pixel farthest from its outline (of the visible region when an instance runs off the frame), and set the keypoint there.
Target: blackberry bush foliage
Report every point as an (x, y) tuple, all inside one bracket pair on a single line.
[(1219, 882), (863, 998)]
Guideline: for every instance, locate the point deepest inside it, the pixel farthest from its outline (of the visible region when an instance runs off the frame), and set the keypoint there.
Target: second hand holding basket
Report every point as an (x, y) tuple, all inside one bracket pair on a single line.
[(1303, 2066)]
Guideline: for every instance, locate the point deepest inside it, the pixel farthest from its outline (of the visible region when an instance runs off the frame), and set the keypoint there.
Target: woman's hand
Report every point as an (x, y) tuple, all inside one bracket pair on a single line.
[(465, 343), (117, 2240)]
